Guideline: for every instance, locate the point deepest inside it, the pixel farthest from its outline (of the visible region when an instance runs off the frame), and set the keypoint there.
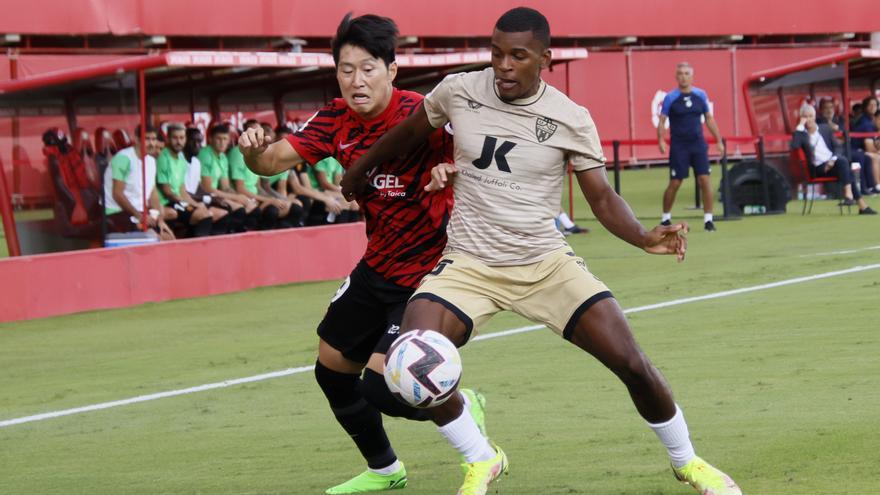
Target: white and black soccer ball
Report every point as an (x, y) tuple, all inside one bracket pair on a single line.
[(422, 368)]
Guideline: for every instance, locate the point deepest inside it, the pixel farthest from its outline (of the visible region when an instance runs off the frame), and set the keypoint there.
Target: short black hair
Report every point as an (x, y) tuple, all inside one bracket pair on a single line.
[(218, 129), (523, 19), (868, 100), (150, 130), (377, 35), (283, 129), (249, 123)]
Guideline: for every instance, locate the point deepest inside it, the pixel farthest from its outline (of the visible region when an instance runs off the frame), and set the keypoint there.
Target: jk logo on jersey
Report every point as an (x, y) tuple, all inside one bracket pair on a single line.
[(544, 129), (474, 105)]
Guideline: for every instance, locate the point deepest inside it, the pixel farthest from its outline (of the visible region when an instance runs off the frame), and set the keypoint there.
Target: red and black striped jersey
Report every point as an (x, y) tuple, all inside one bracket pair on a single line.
[(406, 226)]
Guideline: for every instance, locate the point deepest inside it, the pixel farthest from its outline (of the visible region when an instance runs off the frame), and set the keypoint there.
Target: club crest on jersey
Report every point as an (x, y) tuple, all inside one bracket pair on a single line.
[(474, 105), (544, 129)]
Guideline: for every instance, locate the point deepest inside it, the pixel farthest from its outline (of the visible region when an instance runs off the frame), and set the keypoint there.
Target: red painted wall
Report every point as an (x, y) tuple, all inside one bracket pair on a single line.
[(427, 18), (57, 284)]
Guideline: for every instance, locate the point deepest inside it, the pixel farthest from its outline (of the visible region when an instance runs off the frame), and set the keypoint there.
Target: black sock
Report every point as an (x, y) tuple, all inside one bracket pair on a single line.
[(236, 220), (202, 228), (220, 227), (358, 418), (270, 218), (296, 215), (252, 220), (376, 392)]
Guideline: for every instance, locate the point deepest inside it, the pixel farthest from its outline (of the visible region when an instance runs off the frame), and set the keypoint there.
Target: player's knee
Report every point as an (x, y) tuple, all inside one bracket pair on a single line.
[(341, 389), (376, 393), (633, 368)]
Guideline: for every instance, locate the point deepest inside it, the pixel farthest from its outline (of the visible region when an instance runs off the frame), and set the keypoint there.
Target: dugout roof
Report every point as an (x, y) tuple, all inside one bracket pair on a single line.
[(218, 73), (773, 96)]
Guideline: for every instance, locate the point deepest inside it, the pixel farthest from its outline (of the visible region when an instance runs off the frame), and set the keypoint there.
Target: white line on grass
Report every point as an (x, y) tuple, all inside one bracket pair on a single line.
[(844, 251), (494, 335)]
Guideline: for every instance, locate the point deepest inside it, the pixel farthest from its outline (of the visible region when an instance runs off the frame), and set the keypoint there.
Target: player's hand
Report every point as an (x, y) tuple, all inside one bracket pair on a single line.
[(332, 205), (253, 142), (149, 222), (667, 239), (442, 175), (720, 148), (662, 145), (165, 230), (352, 185)]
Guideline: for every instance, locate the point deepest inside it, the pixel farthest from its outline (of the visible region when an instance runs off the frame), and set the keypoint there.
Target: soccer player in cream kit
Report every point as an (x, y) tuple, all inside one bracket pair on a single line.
[(514, 136)]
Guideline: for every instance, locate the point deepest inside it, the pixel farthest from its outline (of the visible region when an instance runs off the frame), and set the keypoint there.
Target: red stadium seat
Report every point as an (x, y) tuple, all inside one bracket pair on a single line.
[(802, 173), (122, 139), (104, 144), (82, 145)]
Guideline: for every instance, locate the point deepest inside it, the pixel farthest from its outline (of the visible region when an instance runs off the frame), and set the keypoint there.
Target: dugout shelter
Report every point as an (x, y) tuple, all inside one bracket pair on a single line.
[(90, 104)]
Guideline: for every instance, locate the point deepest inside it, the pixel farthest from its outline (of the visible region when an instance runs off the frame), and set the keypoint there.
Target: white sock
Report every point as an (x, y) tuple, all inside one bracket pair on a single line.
[(390, 469), (674, 435), (464, 436), (707, 217), (665, 217), (565, 221)]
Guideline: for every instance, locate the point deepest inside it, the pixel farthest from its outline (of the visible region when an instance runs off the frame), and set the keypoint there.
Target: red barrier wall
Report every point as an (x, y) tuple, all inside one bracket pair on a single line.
[(57, 284), (424, 18)]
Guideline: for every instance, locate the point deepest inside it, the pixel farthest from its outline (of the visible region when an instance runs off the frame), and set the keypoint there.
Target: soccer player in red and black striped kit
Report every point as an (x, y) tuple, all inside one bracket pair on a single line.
[(406, 227)]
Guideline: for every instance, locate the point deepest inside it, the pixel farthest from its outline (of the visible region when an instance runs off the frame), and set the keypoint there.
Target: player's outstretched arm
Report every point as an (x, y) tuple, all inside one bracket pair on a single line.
[(616, 216), (399, 140), (264, 157)]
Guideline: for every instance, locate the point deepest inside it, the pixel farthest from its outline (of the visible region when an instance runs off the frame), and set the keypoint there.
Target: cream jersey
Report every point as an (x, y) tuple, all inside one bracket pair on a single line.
[(511, 159)]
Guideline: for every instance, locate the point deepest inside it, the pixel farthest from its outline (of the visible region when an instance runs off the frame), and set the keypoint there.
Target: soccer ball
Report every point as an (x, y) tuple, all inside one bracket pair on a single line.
[(422, 368)]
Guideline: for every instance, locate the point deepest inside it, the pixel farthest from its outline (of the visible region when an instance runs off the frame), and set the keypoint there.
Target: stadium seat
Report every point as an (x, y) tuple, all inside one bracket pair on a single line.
[(122, 139), (802, 173), (82, 145), (105, 148), (77, 199)]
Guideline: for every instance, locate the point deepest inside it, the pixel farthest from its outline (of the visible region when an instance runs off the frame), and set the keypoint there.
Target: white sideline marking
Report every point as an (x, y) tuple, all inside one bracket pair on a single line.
[(845, 251), (494, 335)]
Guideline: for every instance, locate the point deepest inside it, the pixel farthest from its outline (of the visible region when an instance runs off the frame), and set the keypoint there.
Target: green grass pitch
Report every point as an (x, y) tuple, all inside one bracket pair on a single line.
[(780, 386)]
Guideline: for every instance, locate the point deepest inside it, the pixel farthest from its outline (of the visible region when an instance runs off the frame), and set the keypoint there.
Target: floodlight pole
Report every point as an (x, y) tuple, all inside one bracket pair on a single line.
[(142, 96)]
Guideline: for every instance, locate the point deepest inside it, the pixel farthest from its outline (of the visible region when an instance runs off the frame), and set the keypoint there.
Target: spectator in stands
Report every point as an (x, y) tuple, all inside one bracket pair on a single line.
[(685, 107), (124, 190), (828, 116), (171, 169), (235, 213), (854, 114), (276, 212), (823, 154), (215, 175), (864, 150)]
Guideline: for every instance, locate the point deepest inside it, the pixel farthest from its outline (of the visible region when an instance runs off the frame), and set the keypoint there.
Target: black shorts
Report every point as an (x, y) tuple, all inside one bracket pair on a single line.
[(364, 316), (184, 213), (684, 156)]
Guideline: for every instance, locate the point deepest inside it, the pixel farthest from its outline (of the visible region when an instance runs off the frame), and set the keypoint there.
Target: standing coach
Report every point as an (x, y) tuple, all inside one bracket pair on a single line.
[(684, 107)]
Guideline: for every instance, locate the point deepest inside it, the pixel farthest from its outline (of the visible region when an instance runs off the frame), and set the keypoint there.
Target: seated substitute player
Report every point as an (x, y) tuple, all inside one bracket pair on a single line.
[(406, 227), (277, 212), (234, 213), (171, 169), (215, 176), (514, 135), (124, 190)]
